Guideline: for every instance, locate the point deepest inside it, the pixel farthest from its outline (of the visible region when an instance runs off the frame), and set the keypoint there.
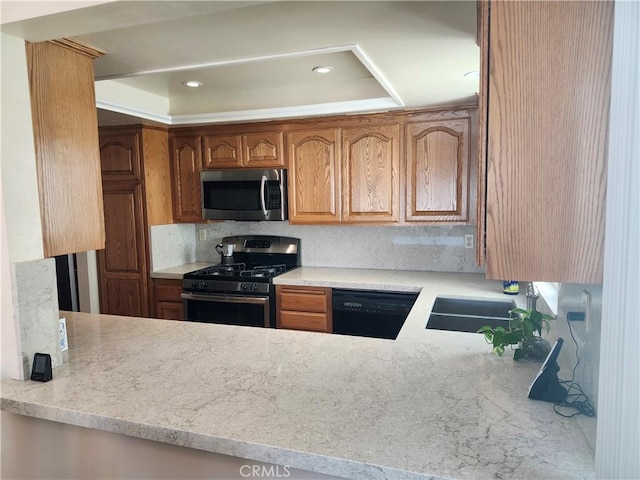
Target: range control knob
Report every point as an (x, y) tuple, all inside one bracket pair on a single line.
[(205, 284), (194, 284), (254, 287), (244, 286)]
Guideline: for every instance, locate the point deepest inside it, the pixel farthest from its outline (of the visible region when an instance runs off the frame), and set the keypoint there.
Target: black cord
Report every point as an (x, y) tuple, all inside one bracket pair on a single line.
[(578, 400)]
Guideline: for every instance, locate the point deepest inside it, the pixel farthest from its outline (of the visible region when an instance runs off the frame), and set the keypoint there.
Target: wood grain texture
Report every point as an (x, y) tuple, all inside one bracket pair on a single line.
[(157, 177), (481, 145), (222, 151), (370, 174), (124, 296), (124, 227), (168, 300), (186, 164), (120, 157), (122, 265), (304, 308), (549, 91), (65, 128), (263, 149), (437, 170), (314, 176)]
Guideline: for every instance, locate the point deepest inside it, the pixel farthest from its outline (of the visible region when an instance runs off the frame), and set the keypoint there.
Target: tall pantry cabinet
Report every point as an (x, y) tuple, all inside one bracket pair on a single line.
[(136, 182), (544, 123)]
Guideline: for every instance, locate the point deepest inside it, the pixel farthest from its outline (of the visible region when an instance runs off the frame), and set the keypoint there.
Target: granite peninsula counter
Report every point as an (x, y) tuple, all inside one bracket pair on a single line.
[(431, 404)]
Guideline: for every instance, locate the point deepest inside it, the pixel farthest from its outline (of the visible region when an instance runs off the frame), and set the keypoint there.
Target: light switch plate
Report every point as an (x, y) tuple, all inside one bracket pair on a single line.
[(202, 235)]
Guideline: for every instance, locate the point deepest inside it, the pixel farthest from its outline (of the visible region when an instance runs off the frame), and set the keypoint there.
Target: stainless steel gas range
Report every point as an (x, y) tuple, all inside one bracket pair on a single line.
[(240, 290)]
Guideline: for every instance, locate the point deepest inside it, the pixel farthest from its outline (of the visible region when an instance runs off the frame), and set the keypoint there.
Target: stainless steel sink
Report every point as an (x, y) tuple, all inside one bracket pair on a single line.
[(468, 315)]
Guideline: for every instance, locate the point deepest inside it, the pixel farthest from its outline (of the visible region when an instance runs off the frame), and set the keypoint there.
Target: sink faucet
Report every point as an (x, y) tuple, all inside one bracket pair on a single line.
[(532, 296)]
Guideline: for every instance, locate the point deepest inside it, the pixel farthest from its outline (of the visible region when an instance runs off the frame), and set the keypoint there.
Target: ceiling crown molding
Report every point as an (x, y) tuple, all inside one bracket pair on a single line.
[(78, 47)]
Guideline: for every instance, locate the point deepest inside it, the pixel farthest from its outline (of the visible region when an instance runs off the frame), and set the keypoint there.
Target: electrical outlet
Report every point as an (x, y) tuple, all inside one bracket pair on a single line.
[(468, 240), (202, 235)]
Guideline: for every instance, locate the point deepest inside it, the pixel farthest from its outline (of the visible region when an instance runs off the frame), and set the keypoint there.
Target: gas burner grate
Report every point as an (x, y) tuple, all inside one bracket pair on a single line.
[(264, 271), (230, 270)]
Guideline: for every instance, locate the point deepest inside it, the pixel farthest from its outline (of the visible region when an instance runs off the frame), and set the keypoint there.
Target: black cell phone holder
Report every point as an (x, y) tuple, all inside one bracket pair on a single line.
[(41, 370)]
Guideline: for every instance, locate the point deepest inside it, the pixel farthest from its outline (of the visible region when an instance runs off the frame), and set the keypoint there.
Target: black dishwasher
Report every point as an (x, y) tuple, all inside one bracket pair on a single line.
[(367, 313)]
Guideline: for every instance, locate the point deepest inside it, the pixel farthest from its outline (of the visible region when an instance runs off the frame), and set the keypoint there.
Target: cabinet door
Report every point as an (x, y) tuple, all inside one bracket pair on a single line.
[(186, 164), (122, 264), (168, 300), (263, 150), (120, 157), (314, 176), (549, 93), (222, 151), (437, 170), (170, 310), (370, 174), (65, 131)]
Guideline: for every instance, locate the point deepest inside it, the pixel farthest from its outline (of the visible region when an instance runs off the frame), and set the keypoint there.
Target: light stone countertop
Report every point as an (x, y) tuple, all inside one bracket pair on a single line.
[(431, 404), (176, 273)]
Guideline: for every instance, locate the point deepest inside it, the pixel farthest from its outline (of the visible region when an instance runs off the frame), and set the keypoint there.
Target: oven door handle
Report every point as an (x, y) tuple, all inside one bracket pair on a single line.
[(263, 184), (226, 298)]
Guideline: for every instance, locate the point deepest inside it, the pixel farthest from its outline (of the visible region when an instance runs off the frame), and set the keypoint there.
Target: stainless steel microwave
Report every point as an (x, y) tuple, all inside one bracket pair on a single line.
[(244, 194)]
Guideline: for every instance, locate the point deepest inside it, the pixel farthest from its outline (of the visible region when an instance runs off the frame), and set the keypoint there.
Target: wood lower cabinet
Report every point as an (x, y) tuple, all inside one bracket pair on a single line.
[(186, 164), (371, 174), (437, 173), (304, 308), (314, 176), (168, 301), (136, 195)]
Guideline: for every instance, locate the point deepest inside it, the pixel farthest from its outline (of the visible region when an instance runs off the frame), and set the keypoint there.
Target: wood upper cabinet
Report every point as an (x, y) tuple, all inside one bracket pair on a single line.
[(120, 157), (314, 176), (437, 171), (65, 128), (186, 165), (264, 149), (304, 308), (222, 151), (549, 86), (370, 174)]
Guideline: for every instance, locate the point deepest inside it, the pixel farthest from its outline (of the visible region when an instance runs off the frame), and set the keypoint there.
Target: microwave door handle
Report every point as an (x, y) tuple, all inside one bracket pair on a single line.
[(263, 184)]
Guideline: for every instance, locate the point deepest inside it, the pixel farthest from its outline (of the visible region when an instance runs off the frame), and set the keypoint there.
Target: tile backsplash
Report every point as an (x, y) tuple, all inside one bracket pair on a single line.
[(432, 248)]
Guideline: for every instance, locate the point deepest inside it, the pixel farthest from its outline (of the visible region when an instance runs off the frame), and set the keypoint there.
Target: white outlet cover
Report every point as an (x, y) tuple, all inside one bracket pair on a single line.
[(64, 344)]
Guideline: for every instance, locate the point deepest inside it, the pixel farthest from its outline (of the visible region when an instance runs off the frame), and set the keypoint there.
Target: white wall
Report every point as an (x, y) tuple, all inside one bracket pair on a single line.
[(618, 441), (19, 175), (21, 228), (10, 367)]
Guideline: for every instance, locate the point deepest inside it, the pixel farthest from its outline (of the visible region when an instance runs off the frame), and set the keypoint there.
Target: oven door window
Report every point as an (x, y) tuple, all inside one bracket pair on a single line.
[(229, 310)]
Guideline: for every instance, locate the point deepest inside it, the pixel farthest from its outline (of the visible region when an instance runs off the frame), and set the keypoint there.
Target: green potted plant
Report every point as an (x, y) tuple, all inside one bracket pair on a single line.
[(525, 331)]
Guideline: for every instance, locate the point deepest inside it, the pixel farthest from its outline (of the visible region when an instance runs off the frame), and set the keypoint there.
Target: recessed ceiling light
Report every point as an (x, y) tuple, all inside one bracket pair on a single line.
[(472, 74), (192, 84), (322, 69)]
